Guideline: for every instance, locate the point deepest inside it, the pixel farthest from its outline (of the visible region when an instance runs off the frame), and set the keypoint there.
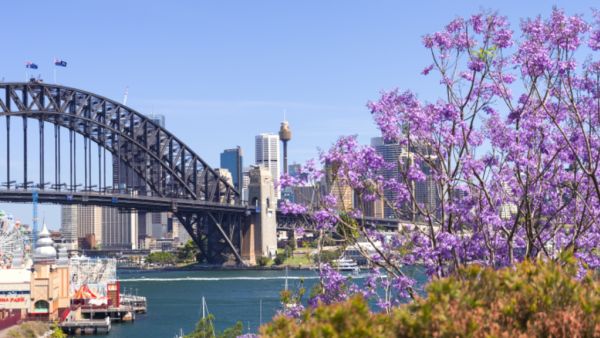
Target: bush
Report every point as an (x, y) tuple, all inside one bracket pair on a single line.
[(263, 261), (534, 300), (161, 258), (280, 258), (326, 256)]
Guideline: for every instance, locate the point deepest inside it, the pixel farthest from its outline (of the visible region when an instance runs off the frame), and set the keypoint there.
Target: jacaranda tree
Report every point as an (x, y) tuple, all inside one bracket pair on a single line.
[(511, 150)]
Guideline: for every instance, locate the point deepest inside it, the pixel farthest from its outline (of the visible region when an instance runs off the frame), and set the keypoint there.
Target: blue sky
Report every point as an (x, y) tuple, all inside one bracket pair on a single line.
[(223, 71)]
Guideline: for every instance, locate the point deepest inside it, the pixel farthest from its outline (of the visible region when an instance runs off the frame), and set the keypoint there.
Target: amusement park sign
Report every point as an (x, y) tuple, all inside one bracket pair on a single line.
[(14, 299)]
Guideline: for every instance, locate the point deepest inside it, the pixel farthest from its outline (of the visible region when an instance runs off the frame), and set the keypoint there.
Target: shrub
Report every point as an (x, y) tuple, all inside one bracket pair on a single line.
[(280, 258), (263, 261), (533, 300), (326, 256), (161, 258)]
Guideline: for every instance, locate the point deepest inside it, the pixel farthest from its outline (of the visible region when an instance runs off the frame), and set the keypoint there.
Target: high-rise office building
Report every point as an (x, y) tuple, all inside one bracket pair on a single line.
[(267, 155), (79, 222), (89, 220), (425, 191), (391, 154), (341, 190), (119, 229), (124, 176), (232, 160), (68, 225)]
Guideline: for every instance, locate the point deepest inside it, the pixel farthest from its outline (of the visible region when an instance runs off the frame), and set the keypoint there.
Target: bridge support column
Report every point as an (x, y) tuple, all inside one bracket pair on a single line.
[(260, 235)]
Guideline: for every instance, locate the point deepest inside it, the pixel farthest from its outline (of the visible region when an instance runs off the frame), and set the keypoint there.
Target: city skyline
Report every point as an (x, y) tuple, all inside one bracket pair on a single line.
[(181, 61)]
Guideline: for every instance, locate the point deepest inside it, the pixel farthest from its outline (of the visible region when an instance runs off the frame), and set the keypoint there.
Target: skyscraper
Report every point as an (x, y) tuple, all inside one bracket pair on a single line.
[(231, 159), (267, 156), (79, 222), (124, 176), (425, 192), (391, 154), (68, 225), (119, 229)]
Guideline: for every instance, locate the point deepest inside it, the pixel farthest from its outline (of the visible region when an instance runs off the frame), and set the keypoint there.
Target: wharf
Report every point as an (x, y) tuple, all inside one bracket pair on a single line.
[(137, 303), (123, 313), (86, 326)]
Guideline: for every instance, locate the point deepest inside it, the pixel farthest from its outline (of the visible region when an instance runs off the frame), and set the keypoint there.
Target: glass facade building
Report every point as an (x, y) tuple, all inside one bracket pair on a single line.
[(232, 160)]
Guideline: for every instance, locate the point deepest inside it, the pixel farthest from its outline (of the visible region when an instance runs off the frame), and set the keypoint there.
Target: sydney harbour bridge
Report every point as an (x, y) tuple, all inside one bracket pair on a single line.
[(83, 129)]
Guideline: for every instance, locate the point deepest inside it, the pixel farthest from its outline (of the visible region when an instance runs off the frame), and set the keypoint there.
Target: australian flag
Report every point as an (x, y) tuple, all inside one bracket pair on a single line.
[(31, 65), (60, 63)]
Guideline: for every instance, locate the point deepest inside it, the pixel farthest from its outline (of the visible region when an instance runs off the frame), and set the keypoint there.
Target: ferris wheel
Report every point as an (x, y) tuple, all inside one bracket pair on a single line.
[(13, 243)]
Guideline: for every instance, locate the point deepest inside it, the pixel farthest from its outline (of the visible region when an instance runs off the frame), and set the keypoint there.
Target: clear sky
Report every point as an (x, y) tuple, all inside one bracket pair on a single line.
[(223, 71)]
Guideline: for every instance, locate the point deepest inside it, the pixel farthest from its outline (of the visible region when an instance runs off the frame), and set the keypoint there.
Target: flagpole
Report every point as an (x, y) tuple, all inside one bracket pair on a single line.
[(54, 70)]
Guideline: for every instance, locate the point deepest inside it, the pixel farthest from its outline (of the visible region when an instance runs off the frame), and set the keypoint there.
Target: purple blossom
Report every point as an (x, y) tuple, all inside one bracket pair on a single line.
[(481, 177)]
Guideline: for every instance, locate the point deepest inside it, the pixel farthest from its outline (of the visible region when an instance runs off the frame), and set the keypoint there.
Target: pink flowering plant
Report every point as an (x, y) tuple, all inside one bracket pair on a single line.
[(510, 150)]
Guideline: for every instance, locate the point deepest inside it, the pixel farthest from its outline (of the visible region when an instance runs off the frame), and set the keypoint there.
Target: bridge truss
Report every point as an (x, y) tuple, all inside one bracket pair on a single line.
[(151, 169)]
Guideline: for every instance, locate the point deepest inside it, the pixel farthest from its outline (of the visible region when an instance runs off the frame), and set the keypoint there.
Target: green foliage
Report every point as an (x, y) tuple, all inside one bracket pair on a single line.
[(326, 256), (291, 242), (263, 261), (205, 329), (187, 253), (543, 299), (57, 332), (293, 296), (288, 251), (234, 331), (279, 258), (28, 330), (161, 258)]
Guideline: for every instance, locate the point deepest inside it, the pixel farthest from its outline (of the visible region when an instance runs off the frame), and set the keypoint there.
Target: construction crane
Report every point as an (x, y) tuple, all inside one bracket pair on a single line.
[(34, 230)]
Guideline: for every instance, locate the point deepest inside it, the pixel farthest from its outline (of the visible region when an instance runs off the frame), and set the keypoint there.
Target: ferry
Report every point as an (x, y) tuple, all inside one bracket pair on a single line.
[(346, 264)]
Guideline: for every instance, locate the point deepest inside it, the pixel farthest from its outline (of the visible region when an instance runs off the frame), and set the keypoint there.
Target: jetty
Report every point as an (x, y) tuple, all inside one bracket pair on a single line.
[(86, 326)]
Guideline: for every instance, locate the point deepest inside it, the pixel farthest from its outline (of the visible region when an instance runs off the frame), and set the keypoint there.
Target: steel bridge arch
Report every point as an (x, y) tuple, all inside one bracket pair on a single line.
[(168, 166)]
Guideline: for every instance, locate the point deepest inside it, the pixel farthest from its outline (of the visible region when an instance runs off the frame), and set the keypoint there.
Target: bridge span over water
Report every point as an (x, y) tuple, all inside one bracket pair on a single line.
[(79, 137)]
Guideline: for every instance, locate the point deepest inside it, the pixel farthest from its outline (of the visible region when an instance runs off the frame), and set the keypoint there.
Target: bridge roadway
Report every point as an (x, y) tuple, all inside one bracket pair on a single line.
[(119, 200), (162, 204)]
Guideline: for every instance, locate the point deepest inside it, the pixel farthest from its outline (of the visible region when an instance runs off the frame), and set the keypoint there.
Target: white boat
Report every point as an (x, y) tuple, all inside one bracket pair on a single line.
[(346, 264)]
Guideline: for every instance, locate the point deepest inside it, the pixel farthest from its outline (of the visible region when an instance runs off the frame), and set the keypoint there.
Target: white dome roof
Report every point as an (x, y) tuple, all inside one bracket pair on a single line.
[(44, 246)]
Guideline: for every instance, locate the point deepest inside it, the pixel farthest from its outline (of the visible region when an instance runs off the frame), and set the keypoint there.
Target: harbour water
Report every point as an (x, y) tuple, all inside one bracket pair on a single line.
[(175, 298)]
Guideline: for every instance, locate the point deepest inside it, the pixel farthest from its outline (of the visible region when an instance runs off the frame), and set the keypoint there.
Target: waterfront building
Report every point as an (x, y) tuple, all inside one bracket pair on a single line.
[(15, 295), (49, 290), (267, 155), (119, 230), (232, 160)]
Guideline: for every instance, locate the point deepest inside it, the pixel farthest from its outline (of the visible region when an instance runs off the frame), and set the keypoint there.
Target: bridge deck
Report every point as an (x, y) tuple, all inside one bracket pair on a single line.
[(126, 201)]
